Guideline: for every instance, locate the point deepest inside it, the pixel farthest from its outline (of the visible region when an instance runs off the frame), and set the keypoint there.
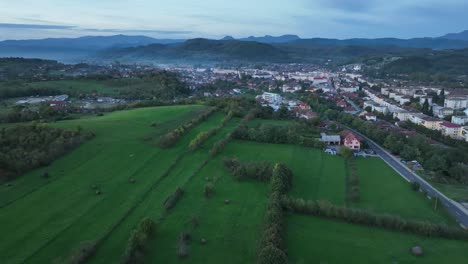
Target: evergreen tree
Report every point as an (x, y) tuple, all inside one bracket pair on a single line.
[(425, 107)]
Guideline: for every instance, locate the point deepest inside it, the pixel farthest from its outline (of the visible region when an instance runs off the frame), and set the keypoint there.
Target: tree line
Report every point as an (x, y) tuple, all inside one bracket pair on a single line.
[(278, 134), (23, 148), (169, 139), (272, 248), (363, 217)]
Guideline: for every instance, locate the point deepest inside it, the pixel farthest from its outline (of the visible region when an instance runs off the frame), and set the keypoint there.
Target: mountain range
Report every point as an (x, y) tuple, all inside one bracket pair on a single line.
[(266, 48)]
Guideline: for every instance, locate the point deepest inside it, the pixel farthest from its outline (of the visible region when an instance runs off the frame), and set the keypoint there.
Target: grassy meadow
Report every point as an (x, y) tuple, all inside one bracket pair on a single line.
[(45, 220)]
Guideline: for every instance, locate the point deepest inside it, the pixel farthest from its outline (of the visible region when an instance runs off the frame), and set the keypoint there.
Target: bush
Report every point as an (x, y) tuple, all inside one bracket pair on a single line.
[(415, 186), (83, 253), (172, 200), (261, 171), (172, 137), (202, 137), (136, 244), (272, 255), (209, 189), (183, 243)]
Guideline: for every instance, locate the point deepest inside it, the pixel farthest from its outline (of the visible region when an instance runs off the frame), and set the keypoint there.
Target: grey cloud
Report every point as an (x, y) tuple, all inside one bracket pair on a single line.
[(33, 26)]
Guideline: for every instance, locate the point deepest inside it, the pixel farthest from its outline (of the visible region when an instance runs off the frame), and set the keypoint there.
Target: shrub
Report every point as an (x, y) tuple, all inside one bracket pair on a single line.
[(272, 255), (415, 186), (172, 137), (261, 171), (83, 253), (183, 243), (172, 200), (202, 137), (209, 189), (136, 244)]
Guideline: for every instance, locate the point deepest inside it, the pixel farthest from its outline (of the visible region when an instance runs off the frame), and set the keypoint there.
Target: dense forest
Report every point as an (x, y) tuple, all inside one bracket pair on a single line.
[(447, 67), (23, 148), (13, 68)]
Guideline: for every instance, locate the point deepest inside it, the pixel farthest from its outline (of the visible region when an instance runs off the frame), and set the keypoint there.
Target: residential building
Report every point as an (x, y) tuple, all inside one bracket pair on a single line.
[(417, 118), (450, 129), (272, 98), (403, 115), (431, 122), (460, 120), (464, 133), (456, 102), (341, 104), (352, 142), (350, 89), (441, 112)]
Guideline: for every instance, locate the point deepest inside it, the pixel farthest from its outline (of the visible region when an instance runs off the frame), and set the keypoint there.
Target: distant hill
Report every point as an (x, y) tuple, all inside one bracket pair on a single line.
[(286, 48), (72, 48), (271, 39), (204, 50), (428, 43), (199, 50), (457, 36), (448, 62)]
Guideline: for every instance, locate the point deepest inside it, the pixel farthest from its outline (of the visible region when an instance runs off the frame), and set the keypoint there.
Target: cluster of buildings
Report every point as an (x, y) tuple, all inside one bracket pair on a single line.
[(394, 101), (346, 138), (276, 101)]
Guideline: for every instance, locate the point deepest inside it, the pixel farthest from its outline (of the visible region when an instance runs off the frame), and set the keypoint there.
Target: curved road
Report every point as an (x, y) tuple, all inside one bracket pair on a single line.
[(454, 208)]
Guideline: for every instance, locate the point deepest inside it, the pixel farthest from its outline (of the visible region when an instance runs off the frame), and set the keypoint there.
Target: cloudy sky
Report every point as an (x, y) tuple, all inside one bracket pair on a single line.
[(23, 19)]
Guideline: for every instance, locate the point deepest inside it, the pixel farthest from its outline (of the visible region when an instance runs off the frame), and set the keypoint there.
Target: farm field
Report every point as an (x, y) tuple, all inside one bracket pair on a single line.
[(316, 175), (318, 240), (384, 191), (54, 216)]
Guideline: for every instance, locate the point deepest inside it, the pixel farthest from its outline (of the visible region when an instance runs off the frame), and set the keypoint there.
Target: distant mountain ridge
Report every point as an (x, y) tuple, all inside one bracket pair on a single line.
[(77, 49), (271, 39), (457, 36)]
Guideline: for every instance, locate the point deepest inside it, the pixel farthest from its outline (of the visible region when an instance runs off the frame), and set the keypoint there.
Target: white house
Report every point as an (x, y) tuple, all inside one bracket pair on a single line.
[(272, 98), (460, 120), (456, 102)]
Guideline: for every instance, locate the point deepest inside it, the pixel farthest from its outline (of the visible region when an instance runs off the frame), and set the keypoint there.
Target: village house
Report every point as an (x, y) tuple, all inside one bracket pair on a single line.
[(370, 117), (303, 106), (351, 141), (341, 104)]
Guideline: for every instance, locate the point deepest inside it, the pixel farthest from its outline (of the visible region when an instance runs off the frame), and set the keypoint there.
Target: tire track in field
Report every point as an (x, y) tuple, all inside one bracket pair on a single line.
[(147, 193), (95, 205)]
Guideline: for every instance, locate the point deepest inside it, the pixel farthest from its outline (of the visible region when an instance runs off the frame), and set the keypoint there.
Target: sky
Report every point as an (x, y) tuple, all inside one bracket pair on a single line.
[(181, 19)]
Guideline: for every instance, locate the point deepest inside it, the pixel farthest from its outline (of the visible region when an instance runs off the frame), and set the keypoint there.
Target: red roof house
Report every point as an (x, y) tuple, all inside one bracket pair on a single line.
[(351, 141)]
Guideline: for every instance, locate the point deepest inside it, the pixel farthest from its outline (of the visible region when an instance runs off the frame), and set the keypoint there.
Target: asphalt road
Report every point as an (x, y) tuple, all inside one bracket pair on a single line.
[(454, 208)]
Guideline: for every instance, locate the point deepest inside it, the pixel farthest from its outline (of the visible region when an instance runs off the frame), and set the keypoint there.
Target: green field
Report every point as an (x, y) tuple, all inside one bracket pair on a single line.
[(317, 240), (53, 216), (384, 191), (316, 175)]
